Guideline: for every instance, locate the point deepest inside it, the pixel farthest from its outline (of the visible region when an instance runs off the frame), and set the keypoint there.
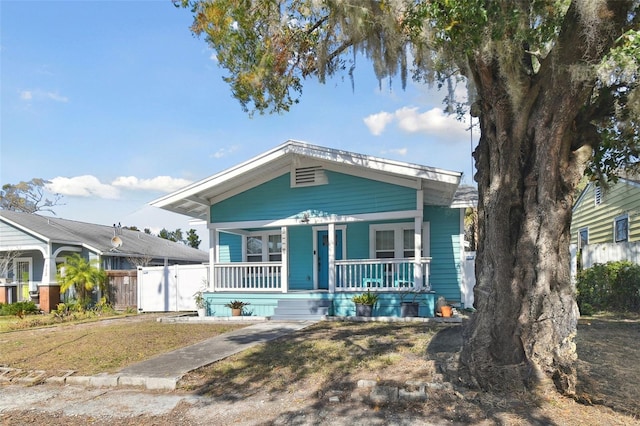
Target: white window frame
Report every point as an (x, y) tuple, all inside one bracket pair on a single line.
[(265, 244), (586, 228), (620, 218), (398, 236)]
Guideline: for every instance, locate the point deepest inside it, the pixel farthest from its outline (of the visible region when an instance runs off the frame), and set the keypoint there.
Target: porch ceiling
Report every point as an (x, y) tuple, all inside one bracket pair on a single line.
[(439, 186)]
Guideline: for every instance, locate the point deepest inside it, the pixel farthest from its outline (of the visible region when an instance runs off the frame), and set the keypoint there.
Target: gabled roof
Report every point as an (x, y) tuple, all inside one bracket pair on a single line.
[(98, 238), (439, 185)]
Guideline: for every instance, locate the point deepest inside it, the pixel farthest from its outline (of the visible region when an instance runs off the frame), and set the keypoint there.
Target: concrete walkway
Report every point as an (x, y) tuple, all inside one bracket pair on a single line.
[(164, 371)]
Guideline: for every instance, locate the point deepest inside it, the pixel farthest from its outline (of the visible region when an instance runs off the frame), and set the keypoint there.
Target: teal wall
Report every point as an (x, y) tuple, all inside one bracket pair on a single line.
[(446, 268), (263, 305), (230, 247), (344, 195)]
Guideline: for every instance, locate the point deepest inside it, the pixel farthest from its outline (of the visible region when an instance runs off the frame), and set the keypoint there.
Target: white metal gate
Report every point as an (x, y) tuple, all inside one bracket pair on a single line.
[(170, 288)]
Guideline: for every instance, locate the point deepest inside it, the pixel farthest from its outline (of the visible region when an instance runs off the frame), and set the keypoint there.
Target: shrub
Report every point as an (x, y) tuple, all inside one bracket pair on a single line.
[(610, 286), (19, 309)]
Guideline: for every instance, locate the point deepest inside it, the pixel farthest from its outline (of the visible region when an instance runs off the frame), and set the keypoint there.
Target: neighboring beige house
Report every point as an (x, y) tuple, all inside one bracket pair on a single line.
[(606, 223)]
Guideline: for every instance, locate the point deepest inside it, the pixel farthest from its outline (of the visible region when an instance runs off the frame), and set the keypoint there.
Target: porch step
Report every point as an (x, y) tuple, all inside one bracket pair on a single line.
[(301, 309)]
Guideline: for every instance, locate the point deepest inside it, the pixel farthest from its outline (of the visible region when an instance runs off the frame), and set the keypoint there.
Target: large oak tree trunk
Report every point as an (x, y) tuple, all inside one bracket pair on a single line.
[(526, 314), (536, 140)]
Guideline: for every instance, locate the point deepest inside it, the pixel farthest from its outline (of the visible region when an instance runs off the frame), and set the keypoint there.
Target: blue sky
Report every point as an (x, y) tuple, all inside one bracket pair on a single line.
[(117, 103)]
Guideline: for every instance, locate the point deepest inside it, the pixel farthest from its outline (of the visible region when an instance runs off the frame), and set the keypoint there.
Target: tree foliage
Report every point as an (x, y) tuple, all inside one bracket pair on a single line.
[(175, 236), (28, 197), (82, 275), (270, 47), (192, 239)]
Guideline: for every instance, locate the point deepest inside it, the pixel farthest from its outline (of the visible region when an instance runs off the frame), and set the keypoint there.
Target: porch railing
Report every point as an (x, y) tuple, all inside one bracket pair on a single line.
[(248, 276), (381, 274)]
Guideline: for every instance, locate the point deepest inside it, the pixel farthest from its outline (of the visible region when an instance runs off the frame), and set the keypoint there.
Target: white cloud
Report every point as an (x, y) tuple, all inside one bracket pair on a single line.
[(83, 186), (377, 122), (30, 95), (398, 151), (56, 97), (434, 122), (158, 183), (223, 152)]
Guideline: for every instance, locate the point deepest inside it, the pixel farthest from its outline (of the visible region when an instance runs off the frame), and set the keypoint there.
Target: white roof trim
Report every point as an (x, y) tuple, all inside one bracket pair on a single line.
[(194, 193)]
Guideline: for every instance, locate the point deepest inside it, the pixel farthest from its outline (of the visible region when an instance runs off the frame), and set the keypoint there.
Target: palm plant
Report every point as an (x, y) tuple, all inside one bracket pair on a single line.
[(82, 275)]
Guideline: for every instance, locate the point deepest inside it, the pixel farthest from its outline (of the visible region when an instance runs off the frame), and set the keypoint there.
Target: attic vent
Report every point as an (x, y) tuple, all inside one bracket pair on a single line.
[(308, 176), (597, 195)]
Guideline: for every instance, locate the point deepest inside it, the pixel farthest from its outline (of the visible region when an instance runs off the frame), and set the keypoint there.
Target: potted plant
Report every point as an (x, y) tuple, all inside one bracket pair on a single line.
[(365, 303), (236, 307), (409, 306), (201, 303)]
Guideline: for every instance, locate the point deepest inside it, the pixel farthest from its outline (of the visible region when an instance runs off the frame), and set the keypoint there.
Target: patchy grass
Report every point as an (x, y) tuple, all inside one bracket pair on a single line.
[(300, 371), (99, 347), (331, 357), (336, 353)]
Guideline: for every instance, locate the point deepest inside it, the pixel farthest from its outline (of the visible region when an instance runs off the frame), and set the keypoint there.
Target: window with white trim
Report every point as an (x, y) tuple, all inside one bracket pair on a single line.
[(621, 229), (583, 237), (254, 248), (396, 240), (263, 247)]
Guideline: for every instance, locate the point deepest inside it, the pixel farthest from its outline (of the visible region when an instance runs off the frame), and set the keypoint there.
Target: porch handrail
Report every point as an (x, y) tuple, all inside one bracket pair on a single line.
[(381, 274), (247, 276)]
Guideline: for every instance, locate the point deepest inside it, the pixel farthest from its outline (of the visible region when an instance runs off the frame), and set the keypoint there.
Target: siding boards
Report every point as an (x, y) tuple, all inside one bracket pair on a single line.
[(621, 198), (230, 247), (445, 251), (344, 195), (11, 236)]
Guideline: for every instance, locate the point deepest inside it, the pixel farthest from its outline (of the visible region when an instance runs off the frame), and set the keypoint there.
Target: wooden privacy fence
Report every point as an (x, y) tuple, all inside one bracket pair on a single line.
[(122, 289)]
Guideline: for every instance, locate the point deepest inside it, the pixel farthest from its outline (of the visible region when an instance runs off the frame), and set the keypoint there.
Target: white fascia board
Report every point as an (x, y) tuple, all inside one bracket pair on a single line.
[(27, 230), (405, 172), (581, 196), (630, 182), (375, 163), (366, 217), (196, 188), (93, 249)]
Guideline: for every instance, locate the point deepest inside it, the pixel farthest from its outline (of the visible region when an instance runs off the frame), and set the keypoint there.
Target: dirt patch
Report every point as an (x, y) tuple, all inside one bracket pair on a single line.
[(312, 376), (609, 363)]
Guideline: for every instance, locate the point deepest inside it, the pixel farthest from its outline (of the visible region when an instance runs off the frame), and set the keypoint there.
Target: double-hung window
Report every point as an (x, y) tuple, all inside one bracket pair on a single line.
[(263, 247), (396, 240), (621, 229), (583, 237)]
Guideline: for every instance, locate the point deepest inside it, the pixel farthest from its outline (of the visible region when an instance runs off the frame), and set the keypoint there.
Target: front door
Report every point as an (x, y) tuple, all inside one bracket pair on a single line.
[(323, 256)]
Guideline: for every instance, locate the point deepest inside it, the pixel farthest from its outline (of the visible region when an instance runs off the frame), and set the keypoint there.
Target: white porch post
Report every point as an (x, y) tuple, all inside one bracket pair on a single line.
[(284, 274), (417, 239), (213, 258), (332, 257)]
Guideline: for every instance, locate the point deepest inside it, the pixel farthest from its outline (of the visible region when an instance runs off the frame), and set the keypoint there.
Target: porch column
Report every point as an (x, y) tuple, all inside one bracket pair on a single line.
[(213, 251), (332, 257), (417, 239), (284, 273)]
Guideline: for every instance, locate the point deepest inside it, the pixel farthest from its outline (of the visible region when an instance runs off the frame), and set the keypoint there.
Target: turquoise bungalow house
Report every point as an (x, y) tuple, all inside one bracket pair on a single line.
[(299, 230)]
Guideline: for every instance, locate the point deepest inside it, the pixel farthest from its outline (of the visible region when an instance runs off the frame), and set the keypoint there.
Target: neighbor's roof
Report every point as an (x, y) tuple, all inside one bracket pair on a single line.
[(439, 185), (98, 238), (465, 196)]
